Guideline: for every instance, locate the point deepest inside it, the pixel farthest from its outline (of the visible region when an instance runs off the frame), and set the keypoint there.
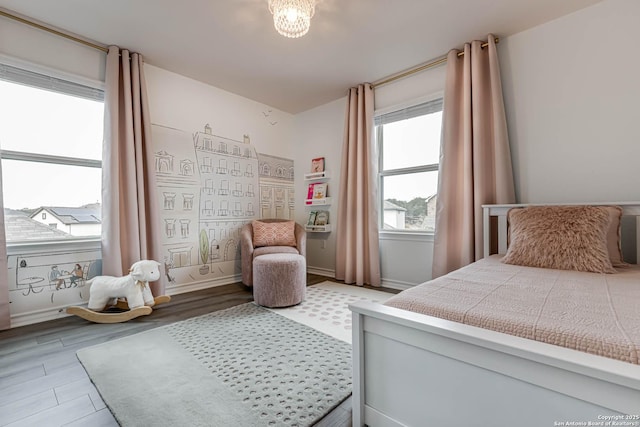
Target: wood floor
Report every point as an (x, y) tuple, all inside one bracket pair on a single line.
[(42, 383)]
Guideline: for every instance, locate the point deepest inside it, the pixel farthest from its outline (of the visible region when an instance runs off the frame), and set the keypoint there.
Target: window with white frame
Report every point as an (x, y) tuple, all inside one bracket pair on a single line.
[(51, 132), (409, 150)]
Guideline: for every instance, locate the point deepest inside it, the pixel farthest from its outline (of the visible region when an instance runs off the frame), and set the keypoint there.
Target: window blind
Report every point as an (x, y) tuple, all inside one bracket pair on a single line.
[(409, 112), (54, 84)]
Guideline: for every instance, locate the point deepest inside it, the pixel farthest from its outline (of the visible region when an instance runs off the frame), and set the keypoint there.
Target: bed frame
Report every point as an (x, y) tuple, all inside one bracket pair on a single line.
[(410, 369)]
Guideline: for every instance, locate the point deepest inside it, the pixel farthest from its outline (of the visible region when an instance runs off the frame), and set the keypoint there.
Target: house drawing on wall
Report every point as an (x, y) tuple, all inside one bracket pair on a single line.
[(209, 186), (276, 187)]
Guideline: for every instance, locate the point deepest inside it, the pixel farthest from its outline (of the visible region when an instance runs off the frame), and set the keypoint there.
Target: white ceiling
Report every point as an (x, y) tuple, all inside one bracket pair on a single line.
[(231, 44)]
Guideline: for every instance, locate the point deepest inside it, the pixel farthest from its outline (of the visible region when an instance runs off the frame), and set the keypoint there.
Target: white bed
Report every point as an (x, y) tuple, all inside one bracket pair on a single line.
[(411, 369)]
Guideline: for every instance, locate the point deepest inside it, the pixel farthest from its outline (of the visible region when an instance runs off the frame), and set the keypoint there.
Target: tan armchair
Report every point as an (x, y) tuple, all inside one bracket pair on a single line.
[(248, 252)]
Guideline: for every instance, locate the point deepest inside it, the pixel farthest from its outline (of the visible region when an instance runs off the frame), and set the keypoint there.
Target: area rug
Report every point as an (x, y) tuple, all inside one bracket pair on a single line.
[(326, 307), (244, 366)]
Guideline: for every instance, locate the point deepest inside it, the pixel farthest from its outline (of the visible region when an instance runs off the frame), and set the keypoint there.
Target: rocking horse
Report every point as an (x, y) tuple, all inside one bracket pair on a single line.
[(130, 293)]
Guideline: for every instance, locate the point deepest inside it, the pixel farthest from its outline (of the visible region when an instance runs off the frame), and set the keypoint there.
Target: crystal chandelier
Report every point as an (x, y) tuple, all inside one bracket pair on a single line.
[(292, 18)]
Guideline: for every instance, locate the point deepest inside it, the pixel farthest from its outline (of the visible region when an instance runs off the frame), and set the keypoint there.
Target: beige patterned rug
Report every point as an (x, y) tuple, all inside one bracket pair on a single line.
[(326, 307)]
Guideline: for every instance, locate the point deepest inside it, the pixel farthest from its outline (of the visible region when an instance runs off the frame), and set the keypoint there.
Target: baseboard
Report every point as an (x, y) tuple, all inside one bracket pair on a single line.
[(203, 284), (39, 316), (396, 284), (321, 271), (386, 283)]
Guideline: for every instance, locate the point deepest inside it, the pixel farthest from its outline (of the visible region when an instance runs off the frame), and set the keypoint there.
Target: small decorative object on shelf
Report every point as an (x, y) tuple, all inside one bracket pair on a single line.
[(322, 218), (317, 195), (318, 222), (320, 190), (317, 165), (312, 218)]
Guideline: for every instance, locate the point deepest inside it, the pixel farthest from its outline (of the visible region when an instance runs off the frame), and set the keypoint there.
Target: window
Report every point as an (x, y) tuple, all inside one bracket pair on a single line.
[(409, 150), (51, 146)]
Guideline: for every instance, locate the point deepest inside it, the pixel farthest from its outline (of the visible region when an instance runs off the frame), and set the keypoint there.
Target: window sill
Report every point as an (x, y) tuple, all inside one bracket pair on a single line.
[(39, 246), (408, 236)]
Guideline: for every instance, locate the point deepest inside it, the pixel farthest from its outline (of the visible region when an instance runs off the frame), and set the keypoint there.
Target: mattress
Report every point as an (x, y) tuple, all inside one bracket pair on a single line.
[(590, 312)]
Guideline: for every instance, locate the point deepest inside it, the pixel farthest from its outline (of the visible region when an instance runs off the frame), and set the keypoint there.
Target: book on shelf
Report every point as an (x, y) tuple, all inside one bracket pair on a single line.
[(322, 218), (319, 190), (312, 218), (310, 191), (317, 165)]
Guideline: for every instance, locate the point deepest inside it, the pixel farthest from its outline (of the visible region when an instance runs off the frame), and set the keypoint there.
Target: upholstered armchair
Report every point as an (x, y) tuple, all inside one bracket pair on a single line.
[(248, 251)]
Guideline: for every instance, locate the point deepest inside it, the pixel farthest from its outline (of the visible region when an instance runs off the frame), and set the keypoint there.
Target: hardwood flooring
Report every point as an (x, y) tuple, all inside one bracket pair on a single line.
[(42, 383)]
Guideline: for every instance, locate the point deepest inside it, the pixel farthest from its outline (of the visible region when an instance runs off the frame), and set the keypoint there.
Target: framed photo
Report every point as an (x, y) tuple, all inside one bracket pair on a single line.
[(312, 218), (322, 218), (317, 165)]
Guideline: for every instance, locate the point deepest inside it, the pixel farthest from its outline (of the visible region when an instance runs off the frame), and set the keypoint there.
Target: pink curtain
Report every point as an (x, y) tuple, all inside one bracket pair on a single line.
[(357, 250), (130, 221), (475, 160), (5, 316)]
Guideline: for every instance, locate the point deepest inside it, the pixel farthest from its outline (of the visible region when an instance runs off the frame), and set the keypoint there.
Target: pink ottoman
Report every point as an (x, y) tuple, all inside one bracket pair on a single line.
[(279, 280)]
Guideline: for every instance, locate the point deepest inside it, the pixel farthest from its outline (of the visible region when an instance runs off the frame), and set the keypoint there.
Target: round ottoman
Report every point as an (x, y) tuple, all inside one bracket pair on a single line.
[(279, 280)]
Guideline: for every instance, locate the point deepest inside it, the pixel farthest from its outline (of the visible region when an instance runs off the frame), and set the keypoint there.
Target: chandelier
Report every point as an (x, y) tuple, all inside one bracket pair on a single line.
[(292, 18)]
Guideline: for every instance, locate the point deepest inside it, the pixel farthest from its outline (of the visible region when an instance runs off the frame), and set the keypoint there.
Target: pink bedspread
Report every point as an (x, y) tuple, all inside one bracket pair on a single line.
[(595, 313)]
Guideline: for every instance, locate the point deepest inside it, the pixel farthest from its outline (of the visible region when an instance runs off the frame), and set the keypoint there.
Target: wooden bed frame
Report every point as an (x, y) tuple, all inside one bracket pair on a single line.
[(410, 369)]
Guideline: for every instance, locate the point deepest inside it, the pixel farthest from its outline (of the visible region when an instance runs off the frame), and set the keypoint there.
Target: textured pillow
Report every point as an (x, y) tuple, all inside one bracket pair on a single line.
[(274, 233), (560, 237), (613, 236)]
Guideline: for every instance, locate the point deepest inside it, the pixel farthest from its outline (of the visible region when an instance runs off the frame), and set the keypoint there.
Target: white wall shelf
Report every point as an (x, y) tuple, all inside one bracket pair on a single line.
[(318, 202), (316, 176), (318, 228)]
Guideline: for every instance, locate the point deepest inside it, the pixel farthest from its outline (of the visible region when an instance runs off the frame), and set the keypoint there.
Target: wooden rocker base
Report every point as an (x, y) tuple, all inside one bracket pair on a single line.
[(117, 317), (98, 317), (161, 299)]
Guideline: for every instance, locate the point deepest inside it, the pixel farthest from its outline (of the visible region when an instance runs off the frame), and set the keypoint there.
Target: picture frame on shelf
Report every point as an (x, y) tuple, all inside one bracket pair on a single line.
[(317, 165), (312, 218)]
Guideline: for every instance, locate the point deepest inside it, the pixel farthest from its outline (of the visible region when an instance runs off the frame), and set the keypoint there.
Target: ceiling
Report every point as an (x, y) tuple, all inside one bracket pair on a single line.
[(231, 44)]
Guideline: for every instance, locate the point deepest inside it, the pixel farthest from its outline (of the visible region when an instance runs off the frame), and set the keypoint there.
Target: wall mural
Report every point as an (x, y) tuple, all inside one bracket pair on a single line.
[(209, 187), (41, 281)]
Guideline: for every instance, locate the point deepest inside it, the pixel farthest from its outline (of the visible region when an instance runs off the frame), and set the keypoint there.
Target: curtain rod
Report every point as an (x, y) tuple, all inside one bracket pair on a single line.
[(419, 68), (52, 31)]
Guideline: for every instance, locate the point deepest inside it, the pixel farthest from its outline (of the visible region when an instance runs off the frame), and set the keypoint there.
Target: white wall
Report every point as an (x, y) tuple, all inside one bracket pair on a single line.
[(405, 260), (318, 133), (182, 103), (571, 91)]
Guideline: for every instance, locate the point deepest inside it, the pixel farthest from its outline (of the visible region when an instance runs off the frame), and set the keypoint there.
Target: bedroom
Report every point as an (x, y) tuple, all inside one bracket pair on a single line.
[(570, 95)]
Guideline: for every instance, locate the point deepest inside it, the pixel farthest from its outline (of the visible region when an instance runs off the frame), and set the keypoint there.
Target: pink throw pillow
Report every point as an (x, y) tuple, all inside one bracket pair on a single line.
[(274, 233), (560, 237)]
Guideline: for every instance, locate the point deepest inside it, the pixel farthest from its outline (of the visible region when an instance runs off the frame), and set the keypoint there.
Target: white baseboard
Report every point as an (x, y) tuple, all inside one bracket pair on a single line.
[(24, 319), (396, 284), (386, 283), (321, 271), (203, 284)]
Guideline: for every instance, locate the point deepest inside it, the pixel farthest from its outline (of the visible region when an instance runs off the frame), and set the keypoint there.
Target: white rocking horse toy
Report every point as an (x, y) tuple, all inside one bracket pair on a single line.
[(131, 293)]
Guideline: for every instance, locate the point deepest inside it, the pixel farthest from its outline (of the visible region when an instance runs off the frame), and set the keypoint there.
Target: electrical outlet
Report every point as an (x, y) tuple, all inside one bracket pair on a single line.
[(324, 244)]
